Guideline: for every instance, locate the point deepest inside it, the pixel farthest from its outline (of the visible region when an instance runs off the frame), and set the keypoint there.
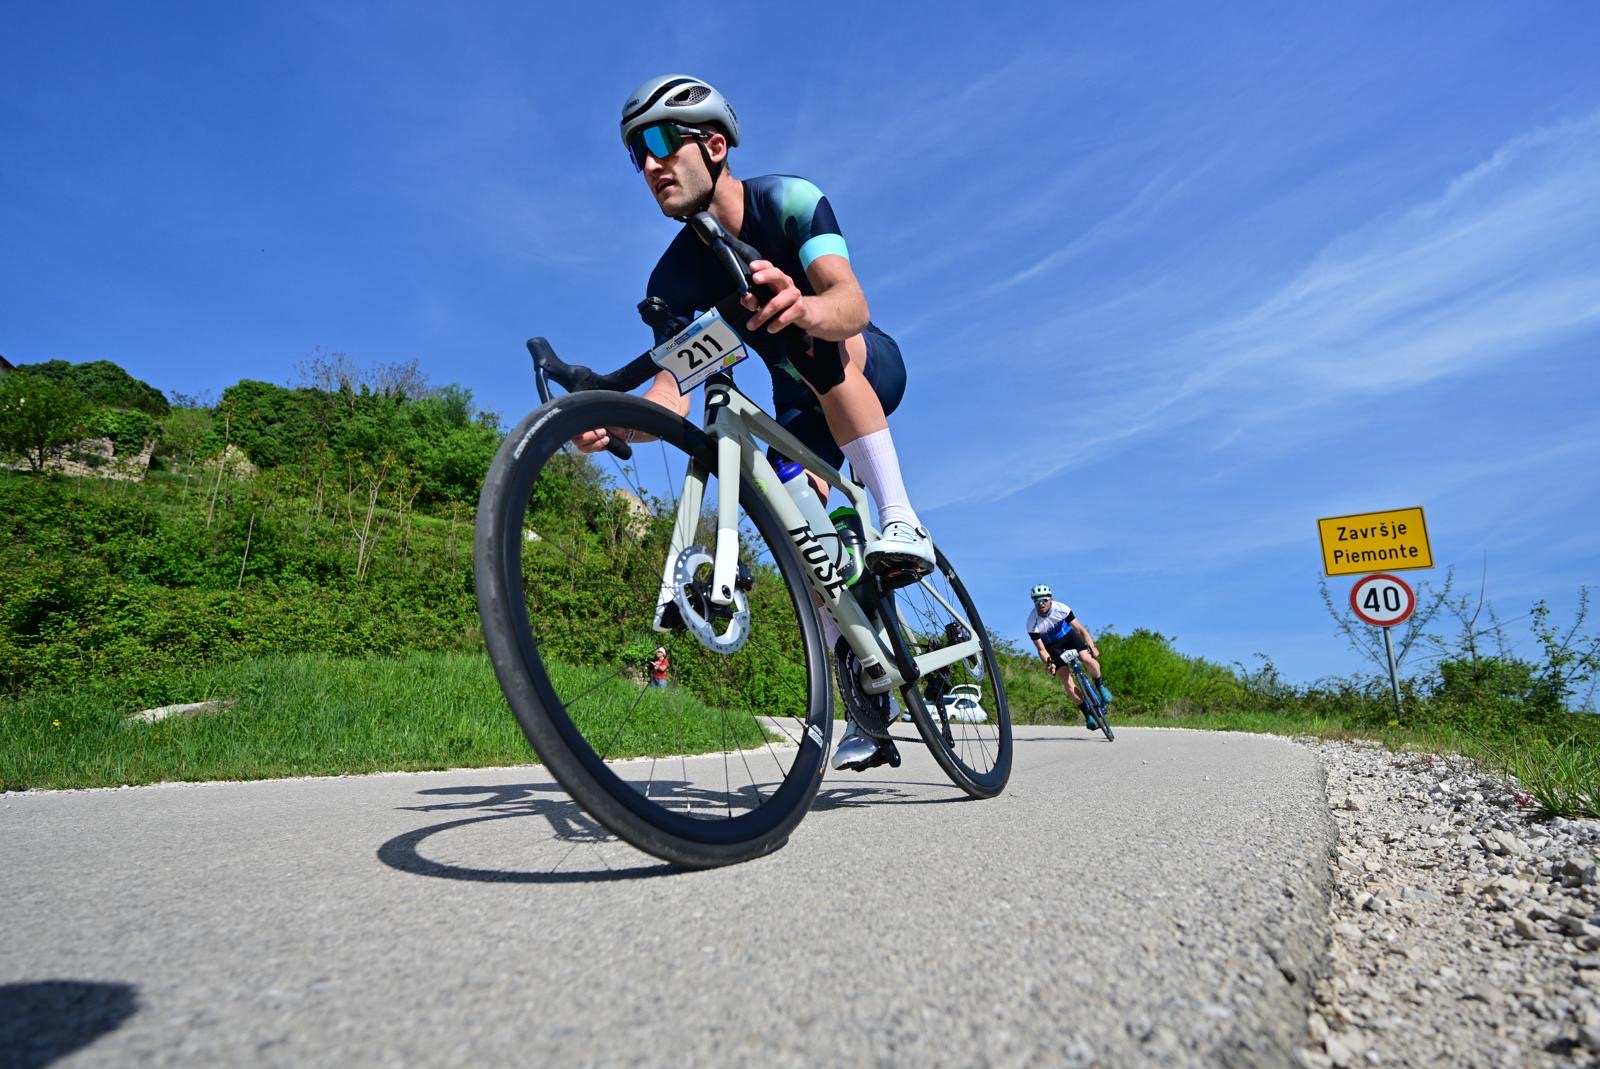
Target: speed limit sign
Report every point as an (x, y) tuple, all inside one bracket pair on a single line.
[(1382, 600)]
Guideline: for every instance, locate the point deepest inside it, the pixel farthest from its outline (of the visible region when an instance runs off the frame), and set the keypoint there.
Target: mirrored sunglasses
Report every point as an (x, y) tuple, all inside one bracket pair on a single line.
[(658, 140)]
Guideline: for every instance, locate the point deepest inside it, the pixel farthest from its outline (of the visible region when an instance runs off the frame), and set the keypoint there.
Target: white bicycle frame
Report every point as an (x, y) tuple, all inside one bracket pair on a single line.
[(734, 423)]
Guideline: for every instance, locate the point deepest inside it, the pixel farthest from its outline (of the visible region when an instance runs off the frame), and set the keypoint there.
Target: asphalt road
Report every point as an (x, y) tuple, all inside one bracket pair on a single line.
[(1159, 900)]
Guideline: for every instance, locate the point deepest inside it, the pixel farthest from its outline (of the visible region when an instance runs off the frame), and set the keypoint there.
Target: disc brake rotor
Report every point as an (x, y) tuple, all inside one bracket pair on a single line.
[(700, 615)]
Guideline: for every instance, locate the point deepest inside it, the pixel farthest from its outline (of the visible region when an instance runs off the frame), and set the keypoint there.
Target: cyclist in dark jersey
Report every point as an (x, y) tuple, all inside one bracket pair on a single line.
[(835, 392), (791, 222)]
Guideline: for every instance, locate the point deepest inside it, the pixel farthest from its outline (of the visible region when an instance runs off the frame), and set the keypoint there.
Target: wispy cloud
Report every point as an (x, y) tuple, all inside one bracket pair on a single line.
[(1505, 260), (1148, 202)]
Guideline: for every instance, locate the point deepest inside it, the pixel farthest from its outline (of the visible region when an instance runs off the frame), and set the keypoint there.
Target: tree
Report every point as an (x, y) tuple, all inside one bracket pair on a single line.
[(39, 417), (182, 434), (1571, 658), (336, 373), (103, 383), (273, 425)]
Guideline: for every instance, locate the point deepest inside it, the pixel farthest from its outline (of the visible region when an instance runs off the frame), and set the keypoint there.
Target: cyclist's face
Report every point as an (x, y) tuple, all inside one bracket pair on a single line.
[(1042, 605), (680, 180)]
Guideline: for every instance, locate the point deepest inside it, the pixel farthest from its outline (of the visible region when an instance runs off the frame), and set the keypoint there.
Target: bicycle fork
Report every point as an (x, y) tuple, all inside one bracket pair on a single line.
[(735, 458)]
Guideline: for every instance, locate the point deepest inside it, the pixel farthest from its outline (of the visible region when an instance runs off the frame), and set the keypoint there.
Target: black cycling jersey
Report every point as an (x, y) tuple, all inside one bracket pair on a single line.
[(790, 222)]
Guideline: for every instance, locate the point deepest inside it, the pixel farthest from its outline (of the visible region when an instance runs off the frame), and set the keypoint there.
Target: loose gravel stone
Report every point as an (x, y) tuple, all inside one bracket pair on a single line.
[(1463, 933)]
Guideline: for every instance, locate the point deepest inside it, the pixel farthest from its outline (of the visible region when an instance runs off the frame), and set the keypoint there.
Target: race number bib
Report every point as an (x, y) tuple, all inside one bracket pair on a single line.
[(699, 351)]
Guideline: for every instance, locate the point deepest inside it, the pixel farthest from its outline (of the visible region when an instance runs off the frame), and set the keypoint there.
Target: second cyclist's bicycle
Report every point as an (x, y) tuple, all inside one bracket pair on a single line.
[(682, 536), (1091, 692)]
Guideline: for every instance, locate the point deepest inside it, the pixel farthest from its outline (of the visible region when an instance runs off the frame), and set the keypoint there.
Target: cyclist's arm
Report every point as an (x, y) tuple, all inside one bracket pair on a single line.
[(663, 391), (1044, 654), (1077, 625), (838, 311)]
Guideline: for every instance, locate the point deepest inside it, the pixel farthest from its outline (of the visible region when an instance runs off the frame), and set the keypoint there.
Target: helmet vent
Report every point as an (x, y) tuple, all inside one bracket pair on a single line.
[(692, 95)]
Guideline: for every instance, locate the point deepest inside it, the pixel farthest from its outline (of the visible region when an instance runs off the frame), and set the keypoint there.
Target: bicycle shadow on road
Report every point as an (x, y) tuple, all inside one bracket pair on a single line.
[(43, 1021), (854, 797), (575, 838)]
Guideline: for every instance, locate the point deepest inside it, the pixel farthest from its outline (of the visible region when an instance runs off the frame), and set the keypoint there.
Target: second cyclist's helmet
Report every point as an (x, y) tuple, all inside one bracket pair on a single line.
[(678, 98), (1040, 591)]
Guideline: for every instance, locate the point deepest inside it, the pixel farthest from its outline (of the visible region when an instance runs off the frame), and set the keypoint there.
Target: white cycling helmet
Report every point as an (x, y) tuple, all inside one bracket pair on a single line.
[(678, 98), (1040, 591)]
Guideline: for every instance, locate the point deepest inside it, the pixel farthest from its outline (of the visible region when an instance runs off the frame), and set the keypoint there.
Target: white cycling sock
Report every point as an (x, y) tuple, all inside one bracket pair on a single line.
[(872, 456)]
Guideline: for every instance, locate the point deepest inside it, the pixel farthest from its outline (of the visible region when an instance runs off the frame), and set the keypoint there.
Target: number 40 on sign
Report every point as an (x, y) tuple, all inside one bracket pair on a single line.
[(1382, 600)]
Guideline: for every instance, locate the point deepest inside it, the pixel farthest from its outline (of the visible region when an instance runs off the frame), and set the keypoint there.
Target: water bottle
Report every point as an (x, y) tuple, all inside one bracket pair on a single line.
[(828, 540), (847, 522), (835, 566)]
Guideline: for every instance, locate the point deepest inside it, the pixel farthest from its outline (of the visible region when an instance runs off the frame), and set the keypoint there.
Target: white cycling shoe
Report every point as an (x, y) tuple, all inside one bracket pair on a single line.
[(901, 548), (858, 751), (855, 748)]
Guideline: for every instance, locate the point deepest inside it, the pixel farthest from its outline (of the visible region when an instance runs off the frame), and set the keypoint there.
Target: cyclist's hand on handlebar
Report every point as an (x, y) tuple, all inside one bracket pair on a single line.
[(596, 440), (786, 306), (1050, 666), (663, 391)]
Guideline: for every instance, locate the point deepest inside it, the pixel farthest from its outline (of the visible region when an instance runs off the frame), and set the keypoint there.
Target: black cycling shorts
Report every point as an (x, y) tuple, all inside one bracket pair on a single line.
[(800, 413), (1073, 641)]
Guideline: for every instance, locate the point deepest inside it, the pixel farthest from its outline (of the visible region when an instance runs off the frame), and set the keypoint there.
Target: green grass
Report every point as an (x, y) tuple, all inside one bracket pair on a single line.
[(309, 715), (305, 714), (1563, 776), (1559, 776)]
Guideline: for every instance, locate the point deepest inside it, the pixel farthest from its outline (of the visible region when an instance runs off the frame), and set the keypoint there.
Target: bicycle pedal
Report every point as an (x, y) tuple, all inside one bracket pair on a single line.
[(893, 577)]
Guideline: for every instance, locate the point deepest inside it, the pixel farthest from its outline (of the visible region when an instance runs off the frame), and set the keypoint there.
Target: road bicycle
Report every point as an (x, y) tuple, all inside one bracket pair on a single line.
[(1091, 693), (682, 536)]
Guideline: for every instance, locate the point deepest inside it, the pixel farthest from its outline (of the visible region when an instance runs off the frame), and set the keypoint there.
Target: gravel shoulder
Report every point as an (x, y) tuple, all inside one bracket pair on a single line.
[(1463, 932)]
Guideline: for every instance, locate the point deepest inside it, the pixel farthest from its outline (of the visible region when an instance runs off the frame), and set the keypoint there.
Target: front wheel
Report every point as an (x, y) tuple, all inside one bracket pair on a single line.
[(960, 709), (570, 556)]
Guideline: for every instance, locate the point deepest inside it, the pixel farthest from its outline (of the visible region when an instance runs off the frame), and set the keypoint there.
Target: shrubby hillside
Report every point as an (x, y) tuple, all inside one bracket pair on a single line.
[(349, 533)]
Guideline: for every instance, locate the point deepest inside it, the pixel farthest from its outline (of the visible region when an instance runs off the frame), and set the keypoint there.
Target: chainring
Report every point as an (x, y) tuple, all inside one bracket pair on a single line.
[(872, 712)]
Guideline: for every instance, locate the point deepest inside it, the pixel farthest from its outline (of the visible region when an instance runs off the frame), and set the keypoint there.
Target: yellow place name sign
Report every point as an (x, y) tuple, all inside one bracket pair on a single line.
[(1375, 542)]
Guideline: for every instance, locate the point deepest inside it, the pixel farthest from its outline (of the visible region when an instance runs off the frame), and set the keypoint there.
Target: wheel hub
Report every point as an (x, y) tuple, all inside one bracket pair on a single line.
[(719, 628)]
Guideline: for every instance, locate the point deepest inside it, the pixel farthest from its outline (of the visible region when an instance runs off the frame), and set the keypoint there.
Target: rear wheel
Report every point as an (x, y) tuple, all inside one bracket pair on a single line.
[(719, 766), (960, 709)]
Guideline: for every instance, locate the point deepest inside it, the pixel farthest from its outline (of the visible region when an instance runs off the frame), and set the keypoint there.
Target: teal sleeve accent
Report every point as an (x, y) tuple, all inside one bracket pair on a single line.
[(797, 202), (823, 245)]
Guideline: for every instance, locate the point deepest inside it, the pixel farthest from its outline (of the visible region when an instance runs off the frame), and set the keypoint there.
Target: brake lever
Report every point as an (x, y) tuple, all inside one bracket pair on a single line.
[(734, 255), (541, 352)]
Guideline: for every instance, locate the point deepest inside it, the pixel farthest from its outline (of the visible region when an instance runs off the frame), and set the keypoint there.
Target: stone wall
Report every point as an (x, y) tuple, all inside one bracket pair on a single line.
[(97, 457)]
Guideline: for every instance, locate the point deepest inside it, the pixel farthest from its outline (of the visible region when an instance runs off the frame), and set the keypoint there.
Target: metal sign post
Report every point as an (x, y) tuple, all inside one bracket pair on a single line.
[(1394, 682), (1384, 601)]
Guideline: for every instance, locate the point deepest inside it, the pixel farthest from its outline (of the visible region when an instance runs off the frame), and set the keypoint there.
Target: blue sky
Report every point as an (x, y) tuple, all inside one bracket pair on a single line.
[(1172, 280)]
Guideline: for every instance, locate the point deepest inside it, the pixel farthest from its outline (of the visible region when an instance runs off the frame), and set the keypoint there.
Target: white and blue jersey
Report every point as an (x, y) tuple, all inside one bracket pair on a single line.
[(1054, 628)]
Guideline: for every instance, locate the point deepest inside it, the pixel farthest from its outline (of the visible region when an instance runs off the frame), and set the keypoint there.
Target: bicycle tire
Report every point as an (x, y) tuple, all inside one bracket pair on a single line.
[(976, 756), (614, 786)]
